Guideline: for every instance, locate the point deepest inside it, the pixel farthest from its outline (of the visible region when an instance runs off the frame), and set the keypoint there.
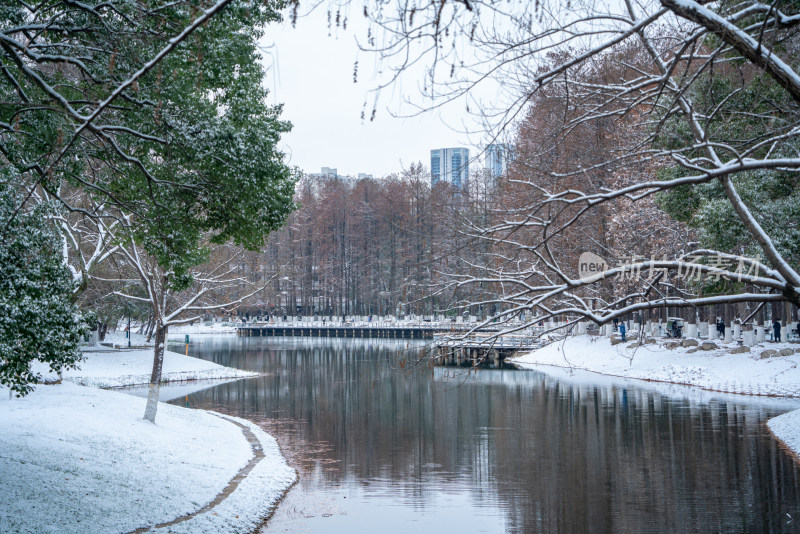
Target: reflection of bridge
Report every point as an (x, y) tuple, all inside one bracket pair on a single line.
[(481, 348), (351, 330)]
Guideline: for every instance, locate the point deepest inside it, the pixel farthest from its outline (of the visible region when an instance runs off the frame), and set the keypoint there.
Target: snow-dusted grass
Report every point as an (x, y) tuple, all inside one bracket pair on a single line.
[(255, 498), (126, 368), (81, 459), (118, 339), (713, 370), (786, 428), (201, 328)]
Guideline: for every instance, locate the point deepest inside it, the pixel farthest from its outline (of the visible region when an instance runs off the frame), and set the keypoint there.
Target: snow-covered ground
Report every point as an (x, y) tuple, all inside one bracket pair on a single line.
[(80, 459), (118, 339), (714, 370), (786, 428), (125, 368), (201, 328)]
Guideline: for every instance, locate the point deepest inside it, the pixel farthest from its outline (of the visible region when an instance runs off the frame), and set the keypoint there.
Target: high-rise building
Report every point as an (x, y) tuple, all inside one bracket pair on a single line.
[(450, 165), (496, 159)]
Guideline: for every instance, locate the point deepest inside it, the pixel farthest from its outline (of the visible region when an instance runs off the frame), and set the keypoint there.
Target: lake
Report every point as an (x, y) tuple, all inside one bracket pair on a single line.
[(384, 442)]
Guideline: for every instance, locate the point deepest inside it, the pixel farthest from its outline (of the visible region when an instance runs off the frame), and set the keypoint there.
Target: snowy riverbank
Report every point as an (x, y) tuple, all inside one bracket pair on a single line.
[(80, 459), (786, 428), (714, 370), (133, 367), (119, 339)]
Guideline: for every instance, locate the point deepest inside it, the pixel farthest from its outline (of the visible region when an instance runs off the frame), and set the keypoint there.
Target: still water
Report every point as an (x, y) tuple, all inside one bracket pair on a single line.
[(385, 444)]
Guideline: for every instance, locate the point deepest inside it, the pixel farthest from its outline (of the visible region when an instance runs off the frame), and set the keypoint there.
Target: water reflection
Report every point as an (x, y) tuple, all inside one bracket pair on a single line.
[(383, 443)]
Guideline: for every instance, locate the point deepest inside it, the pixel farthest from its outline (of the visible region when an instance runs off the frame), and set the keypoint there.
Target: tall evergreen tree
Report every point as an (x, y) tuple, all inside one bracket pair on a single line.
[(156, 111), (38, 321)]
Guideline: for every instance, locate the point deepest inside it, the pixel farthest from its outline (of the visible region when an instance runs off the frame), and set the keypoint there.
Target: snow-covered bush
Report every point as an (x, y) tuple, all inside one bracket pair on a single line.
[(38, 321)]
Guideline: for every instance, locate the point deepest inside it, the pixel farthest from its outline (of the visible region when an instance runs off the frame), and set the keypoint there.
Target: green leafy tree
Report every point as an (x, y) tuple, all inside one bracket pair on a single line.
[(746, 107), (772, 196), (153, 110), (38, 321)]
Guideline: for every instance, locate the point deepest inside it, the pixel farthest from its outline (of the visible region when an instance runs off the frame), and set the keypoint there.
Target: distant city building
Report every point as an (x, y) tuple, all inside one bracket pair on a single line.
[(329, 172), (450, 165), (326, 172), (496, 159)]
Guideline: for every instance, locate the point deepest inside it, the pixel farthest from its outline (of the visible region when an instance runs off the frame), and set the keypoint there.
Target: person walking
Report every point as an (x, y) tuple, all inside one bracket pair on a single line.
[(622, 330), (776, 330), (721, 328)]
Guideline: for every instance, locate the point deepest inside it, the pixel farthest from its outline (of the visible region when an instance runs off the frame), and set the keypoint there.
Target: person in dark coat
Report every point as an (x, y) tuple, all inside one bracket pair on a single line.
[(622, 330), (676, 329), (776, 329), (721, 328)]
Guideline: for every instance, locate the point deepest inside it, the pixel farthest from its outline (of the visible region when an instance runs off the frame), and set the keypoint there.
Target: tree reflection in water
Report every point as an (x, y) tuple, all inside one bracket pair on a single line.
[(504, 451)]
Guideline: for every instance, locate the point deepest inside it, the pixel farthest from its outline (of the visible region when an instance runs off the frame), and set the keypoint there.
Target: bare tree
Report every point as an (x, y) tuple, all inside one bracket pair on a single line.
[(216, 285), (694, 101)]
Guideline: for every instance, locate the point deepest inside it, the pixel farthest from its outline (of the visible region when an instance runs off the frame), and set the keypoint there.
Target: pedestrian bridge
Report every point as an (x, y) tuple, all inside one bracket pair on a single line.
[(353, 330), (481, 348)]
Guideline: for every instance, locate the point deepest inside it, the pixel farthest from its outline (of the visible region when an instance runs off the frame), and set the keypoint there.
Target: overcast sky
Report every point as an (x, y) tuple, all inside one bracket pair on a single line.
[(312, 75)]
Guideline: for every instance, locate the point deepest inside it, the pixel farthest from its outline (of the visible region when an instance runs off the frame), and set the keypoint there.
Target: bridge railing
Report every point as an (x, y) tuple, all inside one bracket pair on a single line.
[(359, 324)]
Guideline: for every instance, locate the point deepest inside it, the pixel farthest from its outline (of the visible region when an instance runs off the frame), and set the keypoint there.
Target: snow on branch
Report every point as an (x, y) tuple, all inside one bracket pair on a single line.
[(753, 50)]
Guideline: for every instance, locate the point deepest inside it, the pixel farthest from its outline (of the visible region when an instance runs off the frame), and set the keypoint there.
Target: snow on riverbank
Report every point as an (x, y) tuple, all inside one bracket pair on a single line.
[(716, 370), (786, 428), (200, 328), (118, 338), (126, 368), (80, 459), (713, 370)]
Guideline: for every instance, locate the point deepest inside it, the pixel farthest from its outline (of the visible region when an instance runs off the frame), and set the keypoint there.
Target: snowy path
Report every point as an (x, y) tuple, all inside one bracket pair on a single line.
[(80, 459)]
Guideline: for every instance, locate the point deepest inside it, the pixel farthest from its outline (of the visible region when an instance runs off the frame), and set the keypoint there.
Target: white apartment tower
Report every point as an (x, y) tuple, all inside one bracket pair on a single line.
[(496, 159), (450, 165)]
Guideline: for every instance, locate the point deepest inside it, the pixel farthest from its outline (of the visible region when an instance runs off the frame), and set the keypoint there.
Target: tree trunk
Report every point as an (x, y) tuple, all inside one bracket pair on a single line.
[(150, 325), (143, 326), (155, 377)]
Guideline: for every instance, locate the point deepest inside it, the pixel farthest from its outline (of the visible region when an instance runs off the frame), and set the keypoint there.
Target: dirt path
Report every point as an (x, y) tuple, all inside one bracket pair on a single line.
[(258, 455)]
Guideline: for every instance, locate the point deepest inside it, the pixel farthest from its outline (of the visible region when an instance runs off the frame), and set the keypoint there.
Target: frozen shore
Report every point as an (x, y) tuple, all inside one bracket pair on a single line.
[(716, 369), (76, 458)]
